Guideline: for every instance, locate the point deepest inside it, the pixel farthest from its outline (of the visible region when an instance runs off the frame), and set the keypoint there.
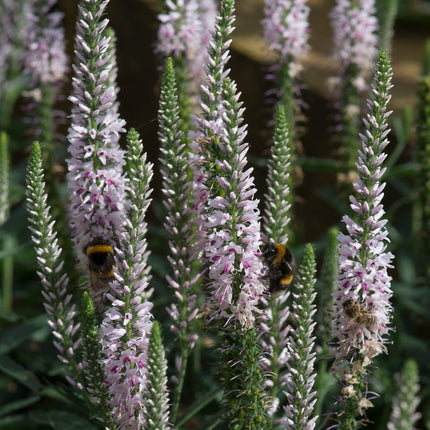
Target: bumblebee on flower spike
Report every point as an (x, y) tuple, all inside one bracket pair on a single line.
[(100, 263), (279, 261)]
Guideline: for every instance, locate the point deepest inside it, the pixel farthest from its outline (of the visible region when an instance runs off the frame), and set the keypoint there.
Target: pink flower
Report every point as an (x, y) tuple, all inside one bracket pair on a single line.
[(44, 58), (96, 160), (355, 29), (362, 309), (286, 29), (184, 34)]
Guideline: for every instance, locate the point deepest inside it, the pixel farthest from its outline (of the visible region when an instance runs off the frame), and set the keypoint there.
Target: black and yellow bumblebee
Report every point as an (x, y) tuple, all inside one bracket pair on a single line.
[(100, 264), (279, 261)]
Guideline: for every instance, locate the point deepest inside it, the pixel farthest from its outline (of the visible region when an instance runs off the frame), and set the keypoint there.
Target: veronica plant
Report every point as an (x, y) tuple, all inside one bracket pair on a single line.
[(404, 413), (232, 217), (157, 401), (286, 31), (45, 62), (355, 50), (278, 200), (179, 224), (127, 323), (185, 30), (96, 160), (12, 34), (301, 397), (274, 341), (232, 226), (362, 309), (276, 228), (57, 300)]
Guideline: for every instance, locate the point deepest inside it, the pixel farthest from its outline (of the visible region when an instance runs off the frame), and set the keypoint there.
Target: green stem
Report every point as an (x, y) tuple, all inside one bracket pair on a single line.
[(7, 289), (181, 378)]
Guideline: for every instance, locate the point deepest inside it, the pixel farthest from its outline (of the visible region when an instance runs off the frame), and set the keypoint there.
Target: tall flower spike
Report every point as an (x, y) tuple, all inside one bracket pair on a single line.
[(232, 226), (404, 413), (12, 33), (286, 30), (157, 401), (96, 161), (355, 37), (57, 300), (355, 28), (232, 219), (362, 309), (44, 58), (278, 199), (274, 338), (301, 397), (185, 30), (179, 224), (126, 327), (93, 369)]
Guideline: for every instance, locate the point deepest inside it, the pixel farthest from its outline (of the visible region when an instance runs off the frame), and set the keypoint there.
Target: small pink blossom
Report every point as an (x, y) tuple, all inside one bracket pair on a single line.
[(286, 30), (355, 28)]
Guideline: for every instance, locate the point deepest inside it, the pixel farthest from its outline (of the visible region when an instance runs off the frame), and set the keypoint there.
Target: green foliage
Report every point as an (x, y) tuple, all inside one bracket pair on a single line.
[(243, 381)]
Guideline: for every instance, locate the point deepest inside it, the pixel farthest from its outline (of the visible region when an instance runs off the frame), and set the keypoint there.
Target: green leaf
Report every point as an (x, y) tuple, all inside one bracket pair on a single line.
[(9, 317), (406, 268), (16, 422), (12, 338), (19, 404), (61, 420), (19, 373), (199, 405)]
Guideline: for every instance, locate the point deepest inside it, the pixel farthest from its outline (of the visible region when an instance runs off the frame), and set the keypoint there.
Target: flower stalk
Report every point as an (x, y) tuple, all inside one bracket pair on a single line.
[(127, 323), (301, 396), (404, 413), (355, 29), (232, 226), (96, 160), (179, 224), (57, 300), (157, 400), (362, 309), (184, 34), (278, 200), (286, 31)]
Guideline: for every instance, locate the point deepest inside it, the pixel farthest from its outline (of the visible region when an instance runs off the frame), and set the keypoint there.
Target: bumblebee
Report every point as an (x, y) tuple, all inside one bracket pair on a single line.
[(279, 261), (357, 313), (100, 264)]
